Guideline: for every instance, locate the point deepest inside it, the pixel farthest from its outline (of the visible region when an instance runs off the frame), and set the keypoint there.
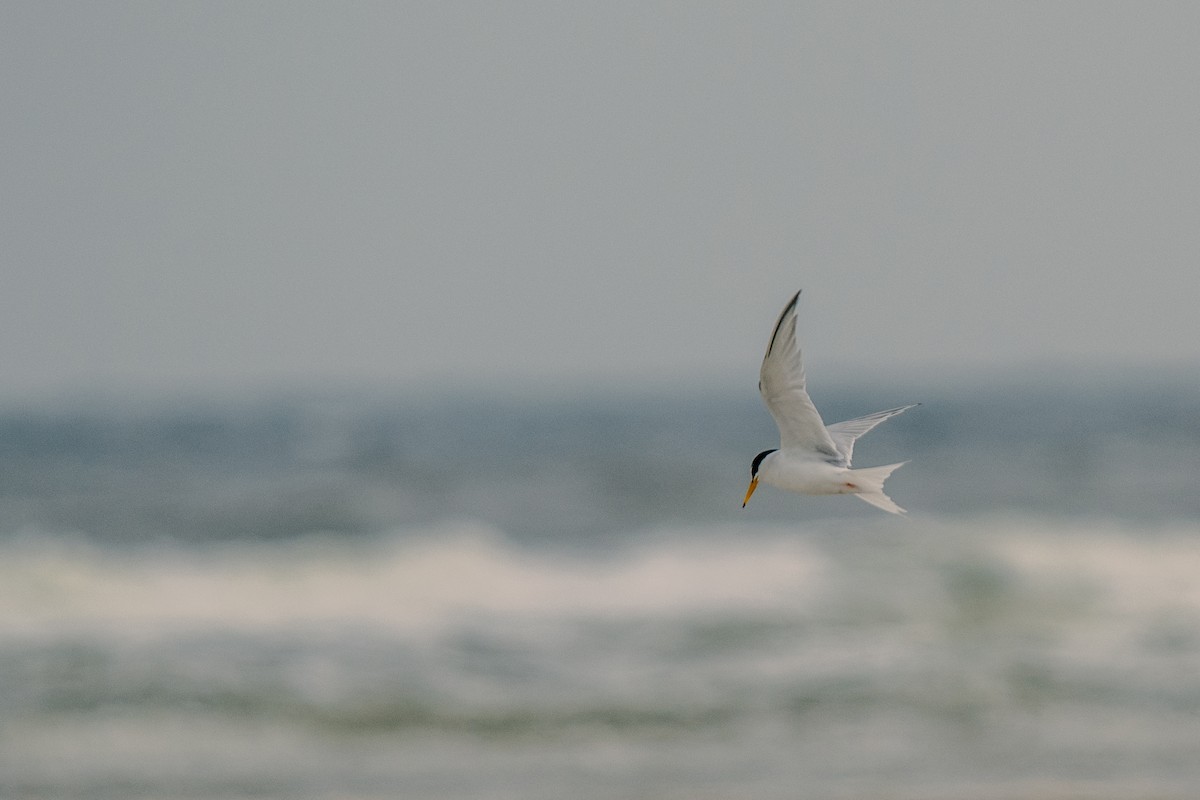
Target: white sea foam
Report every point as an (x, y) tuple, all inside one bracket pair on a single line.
[(410, 582), (426, 579)]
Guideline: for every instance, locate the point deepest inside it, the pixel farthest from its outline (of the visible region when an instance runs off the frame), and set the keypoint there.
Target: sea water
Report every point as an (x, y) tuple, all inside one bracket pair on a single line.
[(359, 595)]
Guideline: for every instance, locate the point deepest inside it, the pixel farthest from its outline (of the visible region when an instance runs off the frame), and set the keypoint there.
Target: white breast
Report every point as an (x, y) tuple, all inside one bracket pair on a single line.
[(805, 474)]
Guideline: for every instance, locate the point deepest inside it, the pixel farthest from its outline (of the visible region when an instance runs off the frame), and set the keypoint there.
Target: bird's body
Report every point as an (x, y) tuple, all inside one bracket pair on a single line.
[(812, 458), (783, 470)]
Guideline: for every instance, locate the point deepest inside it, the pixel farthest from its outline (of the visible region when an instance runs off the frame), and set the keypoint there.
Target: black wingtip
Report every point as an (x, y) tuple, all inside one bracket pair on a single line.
[(782, 315)]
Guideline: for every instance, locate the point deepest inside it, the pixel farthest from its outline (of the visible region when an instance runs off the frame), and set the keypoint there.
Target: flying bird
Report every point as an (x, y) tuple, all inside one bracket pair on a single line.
[(812, 458)]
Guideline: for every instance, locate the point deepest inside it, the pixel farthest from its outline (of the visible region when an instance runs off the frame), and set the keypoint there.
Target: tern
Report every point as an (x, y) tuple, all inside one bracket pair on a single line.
[(812, 458)]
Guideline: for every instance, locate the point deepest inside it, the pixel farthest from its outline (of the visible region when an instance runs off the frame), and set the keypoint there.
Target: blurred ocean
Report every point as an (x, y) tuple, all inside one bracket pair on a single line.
[(363, 595)]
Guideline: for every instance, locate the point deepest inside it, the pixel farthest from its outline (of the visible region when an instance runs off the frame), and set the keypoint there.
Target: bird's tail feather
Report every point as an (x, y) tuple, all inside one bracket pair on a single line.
[(870, 483)]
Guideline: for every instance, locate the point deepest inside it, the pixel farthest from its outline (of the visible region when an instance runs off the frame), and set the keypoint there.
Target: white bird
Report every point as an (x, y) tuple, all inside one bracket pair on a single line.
[(812, 458)]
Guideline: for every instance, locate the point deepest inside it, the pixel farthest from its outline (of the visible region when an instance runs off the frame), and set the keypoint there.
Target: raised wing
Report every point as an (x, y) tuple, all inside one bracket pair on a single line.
[(844, 433), (781, 382)]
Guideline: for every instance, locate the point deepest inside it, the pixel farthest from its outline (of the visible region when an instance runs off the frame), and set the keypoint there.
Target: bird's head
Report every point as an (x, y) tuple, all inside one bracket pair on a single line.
[(754, 465)]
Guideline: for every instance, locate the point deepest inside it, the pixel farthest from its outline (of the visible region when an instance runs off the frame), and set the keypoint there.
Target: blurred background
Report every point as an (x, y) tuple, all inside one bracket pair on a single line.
[(377, 399)]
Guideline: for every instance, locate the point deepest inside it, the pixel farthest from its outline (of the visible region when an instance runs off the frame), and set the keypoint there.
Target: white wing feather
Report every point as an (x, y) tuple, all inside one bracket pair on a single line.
[(781, 382), (844, 433)]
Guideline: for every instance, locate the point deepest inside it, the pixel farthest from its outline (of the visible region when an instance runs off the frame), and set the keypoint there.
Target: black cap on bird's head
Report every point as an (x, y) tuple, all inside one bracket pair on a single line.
[(758, 459)]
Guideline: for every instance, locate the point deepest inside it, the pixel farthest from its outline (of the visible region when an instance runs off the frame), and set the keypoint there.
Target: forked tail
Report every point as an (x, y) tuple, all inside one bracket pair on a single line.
[(870, 483)]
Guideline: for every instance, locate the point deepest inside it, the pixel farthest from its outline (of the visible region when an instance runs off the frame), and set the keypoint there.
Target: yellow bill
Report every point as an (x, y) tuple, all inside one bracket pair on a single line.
[(750, 491)]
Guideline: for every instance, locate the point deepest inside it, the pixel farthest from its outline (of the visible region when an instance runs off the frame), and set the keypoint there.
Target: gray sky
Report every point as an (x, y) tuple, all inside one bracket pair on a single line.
[(254, 193)]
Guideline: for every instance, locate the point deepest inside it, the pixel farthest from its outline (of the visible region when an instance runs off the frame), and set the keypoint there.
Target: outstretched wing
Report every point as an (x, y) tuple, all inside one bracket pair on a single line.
[(781, 382), (844, 433)]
